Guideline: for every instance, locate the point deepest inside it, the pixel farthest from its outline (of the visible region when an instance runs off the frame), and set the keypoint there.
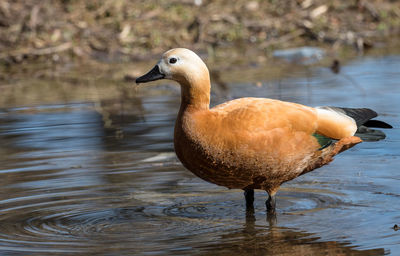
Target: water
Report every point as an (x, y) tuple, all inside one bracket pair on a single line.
[(83, 176)]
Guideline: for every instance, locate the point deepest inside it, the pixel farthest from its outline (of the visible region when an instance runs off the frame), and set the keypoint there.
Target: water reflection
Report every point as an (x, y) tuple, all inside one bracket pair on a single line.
[(100, 176), (273, 240)]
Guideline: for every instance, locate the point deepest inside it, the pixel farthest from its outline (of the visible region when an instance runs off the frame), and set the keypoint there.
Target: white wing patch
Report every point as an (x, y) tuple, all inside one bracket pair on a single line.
[(335, 124)]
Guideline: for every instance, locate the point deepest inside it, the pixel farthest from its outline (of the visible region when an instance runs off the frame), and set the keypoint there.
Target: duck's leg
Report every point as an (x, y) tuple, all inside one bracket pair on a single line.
[(271, 204), (249, 195), (271, 209)]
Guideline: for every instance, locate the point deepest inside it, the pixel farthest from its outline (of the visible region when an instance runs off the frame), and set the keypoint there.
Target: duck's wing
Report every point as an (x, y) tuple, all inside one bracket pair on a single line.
[(260, 114), (254, 116)]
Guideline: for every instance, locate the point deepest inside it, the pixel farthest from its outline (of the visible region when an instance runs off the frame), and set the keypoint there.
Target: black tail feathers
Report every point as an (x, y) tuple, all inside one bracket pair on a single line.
[(364, 121), (377, 124)]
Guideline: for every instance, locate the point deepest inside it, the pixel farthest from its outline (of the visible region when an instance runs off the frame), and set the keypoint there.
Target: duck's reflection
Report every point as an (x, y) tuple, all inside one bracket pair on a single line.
[(270, 239)]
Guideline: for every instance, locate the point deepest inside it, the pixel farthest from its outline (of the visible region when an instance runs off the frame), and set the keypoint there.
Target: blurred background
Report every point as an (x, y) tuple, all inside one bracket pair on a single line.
[(117, 39), (109, 30), (87, 164)]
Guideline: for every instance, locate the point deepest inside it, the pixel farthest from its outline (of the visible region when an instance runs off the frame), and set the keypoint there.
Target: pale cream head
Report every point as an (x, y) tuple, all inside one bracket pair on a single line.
[(183, 66)]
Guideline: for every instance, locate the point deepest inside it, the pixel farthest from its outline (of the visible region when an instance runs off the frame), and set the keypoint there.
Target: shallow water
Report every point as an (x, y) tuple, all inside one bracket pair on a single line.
[(86, 176)]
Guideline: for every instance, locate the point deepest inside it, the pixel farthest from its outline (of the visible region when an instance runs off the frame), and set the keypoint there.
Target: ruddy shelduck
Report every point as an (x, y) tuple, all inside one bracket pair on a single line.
[(253, 143)]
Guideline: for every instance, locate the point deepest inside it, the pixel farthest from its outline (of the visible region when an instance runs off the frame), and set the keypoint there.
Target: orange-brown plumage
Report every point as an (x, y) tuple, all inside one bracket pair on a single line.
[(247, 143), (250, 143)]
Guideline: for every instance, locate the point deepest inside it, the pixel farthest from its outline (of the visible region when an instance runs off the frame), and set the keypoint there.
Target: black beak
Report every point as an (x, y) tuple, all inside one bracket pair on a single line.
[(152, 75)]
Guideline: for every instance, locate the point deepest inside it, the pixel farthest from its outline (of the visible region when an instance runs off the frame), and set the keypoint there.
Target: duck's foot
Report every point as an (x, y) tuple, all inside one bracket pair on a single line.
[(249, 195), (271, 210), (250, 217), (272, 219), (271, 204)]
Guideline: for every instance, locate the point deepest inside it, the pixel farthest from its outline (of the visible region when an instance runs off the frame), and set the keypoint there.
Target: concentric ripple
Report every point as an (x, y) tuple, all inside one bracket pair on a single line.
[(84, 221)]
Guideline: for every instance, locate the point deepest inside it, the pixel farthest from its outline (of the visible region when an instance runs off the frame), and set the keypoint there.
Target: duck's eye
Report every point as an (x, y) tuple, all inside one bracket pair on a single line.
[(173, 60)]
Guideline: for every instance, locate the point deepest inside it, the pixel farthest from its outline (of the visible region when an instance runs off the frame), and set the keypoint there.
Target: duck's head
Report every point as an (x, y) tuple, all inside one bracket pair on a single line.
[(181, 65)]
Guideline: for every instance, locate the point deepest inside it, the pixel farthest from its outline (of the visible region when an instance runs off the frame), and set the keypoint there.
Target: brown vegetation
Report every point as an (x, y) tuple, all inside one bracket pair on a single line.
[(61, 30)]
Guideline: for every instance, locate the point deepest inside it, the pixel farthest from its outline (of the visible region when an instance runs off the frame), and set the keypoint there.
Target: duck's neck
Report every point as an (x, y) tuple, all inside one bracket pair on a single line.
[(195, 98), (195, 95)]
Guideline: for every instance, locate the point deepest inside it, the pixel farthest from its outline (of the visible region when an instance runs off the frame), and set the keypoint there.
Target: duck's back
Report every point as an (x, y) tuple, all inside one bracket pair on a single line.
[(260, 115)]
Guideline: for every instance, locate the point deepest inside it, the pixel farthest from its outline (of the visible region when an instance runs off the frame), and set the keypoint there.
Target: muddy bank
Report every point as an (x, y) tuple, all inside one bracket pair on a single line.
[(65, 31)]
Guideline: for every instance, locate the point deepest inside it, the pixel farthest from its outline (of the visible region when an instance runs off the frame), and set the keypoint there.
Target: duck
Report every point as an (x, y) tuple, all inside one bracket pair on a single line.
[(253, 143)]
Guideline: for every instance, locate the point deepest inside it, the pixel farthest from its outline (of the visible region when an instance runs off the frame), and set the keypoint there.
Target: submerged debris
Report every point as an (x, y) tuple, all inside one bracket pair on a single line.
[(303, 55)]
